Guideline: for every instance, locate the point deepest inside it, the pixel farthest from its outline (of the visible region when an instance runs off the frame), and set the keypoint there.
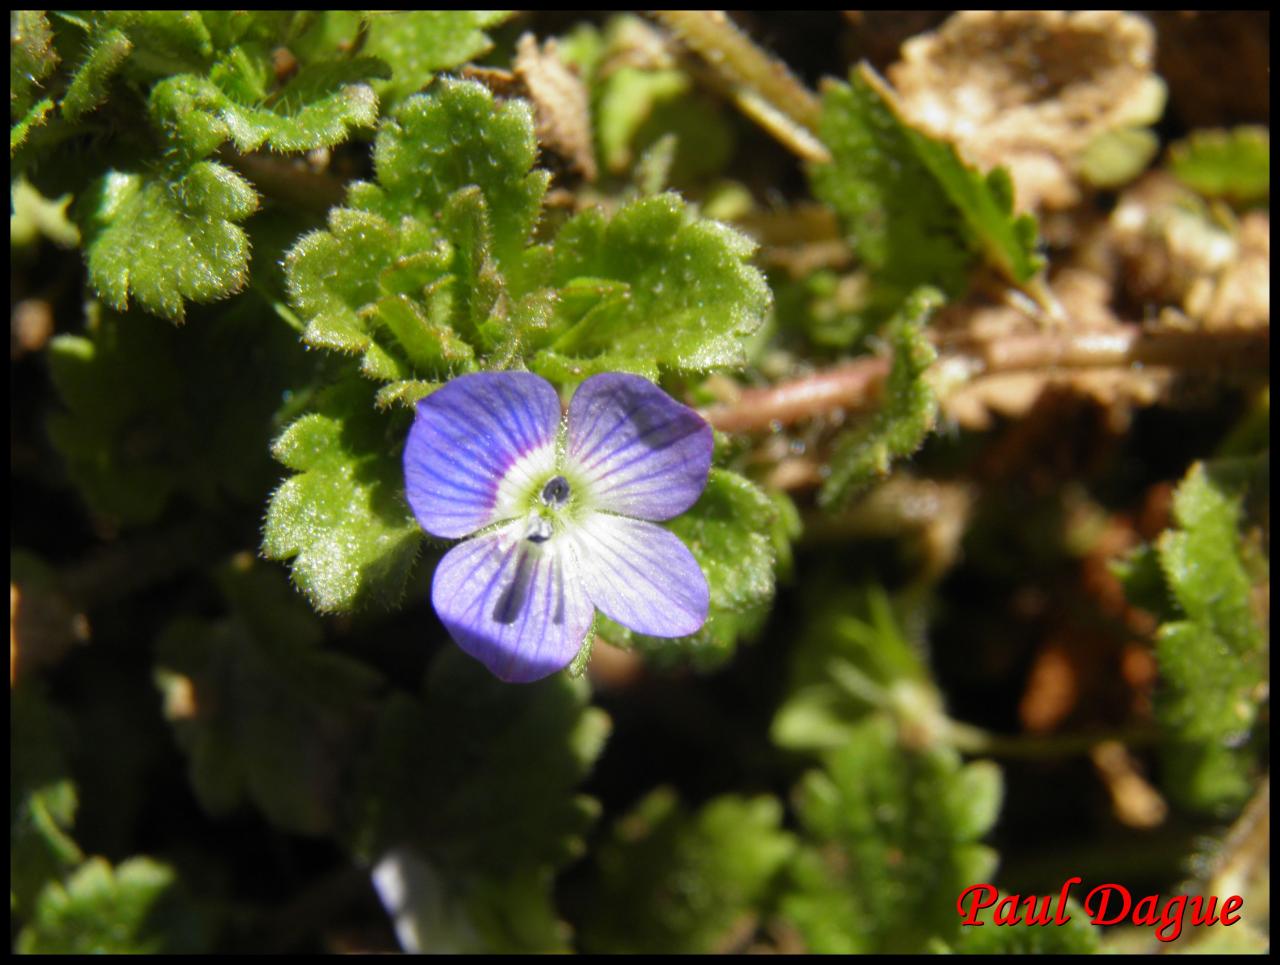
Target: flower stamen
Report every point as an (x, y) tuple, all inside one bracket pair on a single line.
[(538, 529), (556, 492)]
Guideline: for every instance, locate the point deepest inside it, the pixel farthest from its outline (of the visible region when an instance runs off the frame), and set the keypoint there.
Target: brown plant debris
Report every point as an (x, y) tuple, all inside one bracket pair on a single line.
[(560, 102), (1178, 251), (1085, 298), (1133, 800), (1031, 90)]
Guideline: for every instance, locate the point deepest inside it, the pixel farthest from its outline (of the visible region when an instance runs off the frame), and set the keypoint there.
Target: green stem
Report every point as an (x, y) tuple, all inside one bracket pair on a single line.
[(975, 740)]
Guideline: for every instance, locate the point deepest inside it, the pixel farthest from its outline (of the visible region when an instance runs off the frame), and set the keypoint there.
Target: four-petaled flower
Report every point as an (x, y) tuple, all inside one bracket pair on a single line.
[(560, 511)]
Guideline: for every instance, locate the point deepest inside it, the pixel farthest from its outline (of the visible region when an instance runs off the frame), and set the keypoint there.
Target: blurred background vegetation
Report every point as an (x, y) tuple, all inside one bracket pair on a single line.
[(988, 538)]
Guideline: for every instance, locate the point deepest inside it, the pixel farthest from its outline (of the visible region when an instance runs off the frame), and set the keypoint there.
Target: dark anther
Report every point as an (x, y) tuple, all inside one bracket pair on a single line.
[(556, 491), (538, 531)]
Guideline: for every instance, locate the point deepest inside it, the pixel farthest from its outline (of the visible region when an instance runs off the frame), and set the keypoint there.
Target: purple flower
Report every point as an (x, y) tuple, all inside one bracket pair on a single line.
[(558, 513)]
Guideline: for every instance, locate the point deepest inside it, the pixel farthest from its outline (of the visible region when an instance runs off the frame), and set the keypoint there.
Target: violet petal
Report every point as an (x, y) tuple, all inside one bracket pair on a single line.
[(639, 451), (640, 575), (517, 607), (475, 444)]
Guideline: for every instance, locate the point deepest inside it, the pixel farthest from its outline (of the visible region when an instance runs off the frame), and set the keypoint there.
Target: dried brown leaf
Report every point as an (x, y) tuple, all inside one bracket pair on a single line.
[(1030, 90), (560, 103)]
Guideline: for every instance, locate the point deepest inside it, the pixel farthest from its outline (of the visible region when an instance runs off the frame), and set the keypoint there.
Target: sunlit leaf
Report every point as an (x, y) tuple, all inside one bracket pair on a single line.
[(167, 237)]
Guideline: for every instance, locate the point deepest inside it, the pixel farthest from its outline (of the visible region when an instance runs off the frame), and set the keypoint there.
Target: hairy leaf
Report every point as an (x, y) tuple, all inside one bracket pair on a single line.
[(141, 44), (342, 518), (456, 138), (673, 288), (164, 41), (673, 882), (1212, 656), (908, 411), (409, 276), (35, 117), (426, 274), (167, 237), (318, 107), (354, 284), (896, 831), (915, 213), (32, 58), (418, 44), (88, 87)]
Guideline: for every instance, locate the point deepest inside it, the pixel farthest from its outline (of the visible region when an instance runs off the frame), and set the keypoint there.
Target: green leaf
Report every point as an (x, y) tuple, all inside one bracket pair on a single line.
[(851, 658), (455, 138), (420, 43), (318, 107), (32, 58), (673, 882), (411, 276), (1212, 657), (164, 41), (166, 237), (428, 785), (894, 834), (152, 412), (639, 108), (88, 87), (914, 212), (1233, 164), (570, 370), (908, 412), (342, 518), (427, 275), (262, 712), (679, 291), (307, 33), (34, 118), (337, 277), (355, 284), (737, 534), (1144, 584), (128, 909), (626, 98), (42, 797)]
